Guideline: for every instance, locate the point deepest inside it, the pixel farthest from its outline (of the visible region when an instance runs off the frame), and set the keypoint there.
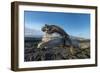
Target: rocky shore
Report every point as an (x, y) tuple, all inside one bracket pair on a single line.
[(57, 53)]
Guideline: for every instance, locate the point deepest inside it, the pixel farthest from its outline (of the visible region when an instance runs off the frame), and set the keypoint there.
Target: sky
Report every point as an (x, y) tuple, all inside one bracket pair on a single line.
[(75, 24)]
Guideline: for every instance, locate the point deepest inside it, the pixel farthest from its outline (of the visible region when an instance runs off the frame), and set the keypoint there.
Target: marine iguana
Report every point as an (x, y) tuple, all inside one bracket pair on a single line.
[(50, 29)]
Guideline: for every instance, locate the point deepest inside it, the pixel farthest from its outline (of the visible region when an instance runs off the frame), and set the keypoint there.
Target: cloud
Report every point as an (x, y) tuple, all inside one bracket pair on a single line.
[(32, 32)]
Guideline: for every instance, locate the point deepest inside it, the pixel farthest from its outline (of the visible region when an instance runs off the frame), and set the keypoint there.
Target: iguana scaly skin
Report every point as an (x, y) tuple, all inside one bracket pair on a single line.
[(50, 29)]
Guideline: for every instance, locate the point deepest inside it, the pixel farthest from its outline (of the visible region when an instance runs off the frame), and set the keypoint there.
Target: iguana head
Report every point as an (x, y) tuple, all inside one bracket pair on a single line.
[(47, 28)]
